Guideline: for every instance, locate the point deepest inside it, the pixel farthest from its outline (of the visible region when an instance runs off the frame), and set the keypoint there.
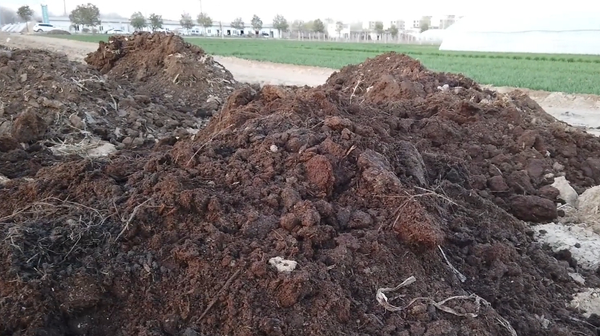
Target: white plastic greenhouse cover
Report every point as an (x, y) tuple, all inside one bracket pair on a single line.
[(432, 36), (547, 33)]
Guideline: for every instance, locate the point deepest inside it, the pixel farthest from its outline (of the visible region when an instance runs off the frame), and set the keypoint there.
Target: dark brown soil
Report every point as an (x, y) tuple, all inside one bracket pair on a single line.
[(46, 100), (164, 65), (507, 143), (361, 187)]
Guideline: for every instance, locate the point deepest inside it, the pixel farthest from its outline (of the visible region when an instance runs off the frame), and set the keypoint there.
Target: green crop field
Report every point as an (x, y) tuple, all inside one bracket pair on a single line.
[(566, 73)]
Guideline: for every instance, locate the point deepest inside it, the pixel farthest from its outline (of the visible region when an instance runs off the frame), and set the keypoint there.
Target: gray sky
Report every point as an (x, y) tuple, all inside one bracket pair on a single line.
[(345, 10)]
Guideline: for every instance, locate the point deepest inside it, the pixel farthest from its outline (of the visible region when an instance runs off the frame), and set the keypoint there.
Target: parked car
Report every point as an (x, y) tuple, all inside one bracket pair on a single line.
[(43, 27), (116, 32)]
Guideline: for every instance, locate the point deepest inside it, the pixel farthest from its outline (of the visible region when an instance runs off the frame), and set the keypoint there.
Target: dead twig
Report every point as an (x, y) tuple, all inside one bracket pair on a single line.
[(115, 104), (460, 276), (81, 86), (354, 91), (72, 248), (503, 322), (206, 143), (441, 305), (46, 203), (130, 219), (214, 300), (433, 193)]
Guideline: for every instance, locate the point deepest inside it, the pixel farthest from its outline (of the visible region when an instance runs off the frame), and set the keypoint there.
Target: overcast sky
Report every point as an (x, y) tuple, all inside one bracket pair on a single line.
[(345, 10)]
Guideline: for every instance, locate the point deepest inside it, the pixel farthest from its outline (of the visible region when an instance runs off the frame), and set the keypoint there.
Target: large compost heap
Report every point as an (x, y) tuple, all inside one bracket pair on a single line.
[(290, 211)]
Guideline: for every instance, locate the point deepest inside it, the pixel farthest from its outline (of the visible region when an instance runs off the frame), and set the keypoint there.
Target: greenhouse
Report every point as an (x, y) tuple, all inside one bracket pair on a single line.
[(431, 36), (547, 33)]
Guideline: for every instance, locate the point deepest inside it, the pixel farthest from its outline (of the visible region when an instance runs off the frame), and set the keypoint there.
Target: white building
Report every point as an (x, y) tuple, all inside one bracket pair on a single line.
[(63, 22), (561, 32), (226, 29), (370, 25), (332, 30), (442, 22), (400, 24)]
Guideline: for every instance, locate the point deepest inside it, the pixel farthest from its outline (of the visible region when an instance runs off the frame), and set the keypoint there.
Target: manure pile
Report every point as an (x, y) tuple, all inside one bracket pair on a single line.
[(55, 106), (387, 171)]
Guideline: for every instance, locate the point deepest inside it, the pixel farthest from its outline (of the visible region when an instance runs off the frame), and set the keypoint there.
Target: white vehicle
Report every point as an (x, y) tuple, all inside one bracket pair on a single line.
[(43, 27), (189, 32), (116, 32)]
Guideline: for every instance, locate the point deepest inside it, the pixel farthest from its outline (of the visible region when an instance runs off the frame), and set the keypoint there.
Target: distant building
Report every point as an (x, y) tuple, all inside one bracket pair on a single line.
[(442, 22), (217, 29), (332, 30), (370, 25), (400, 24)]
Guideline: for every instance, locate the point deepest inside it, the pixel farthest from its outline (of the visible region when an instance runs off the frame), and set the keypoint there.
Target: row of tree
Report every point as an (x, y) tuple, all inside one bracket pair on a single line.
[(88, 15), (138, 22), (280, 23)]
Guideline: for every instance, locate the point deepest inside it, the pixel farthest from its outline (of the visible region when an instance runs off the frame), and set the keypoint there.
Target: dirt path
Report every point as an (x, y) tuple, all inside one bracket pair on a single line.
[(243, 70), (576, 109)]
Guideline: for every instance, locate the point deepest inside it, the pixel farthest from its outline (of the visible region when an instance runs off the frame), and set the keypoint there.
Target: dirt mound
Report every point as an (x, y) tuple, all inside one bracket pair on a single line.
[(165, 65), (510, 147), (349, 195), (57, 32), (52, 103)]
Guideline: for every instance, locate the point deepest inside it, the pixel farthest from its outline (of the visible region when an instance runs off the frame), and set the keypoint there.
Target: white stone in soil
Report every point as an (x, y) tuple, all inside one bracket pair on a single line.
[(588, 301), (567, 193), (283, 265), (582, 242)]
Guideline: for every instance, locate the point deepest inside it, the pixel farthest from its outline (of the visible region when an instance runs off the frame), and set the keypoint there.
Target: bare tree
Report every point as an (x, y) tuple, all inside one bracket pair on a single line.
[(85, 15), (318, 27), (297, 28), (25, 13), (186, 21), (138, 21), (379, 29), (205, 21), (339, 26), (257, 24), (394, 31), (238, 24), (280, 23), (156, 21)]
